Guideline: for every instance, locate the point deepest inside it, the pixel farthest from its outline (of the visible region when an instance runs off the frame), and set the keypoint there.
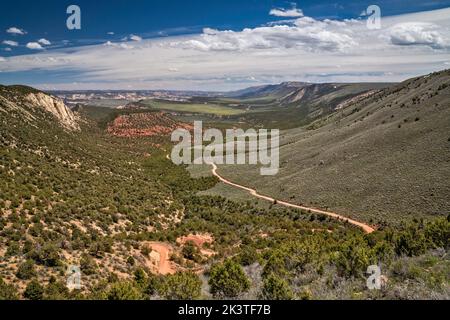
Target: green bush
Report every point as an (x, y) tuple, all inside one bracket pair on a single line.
[(7, 291), (56, 290), (353, 258), (275, 288), (182, 286), (13, 249), (411, 242), (47, 255), (190, 251), (34, 291), (276, 264), (248, 256), (87, 264), (123, 291), (140, 277), (438, 232), (228, 279), (153, 285), (26, 270)]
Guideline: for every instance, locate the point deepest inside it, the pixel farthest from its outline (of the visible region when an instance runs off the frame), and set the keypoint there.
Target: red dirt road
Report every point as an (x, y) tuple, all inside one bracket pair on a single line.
[(365, 227), (163, 264)]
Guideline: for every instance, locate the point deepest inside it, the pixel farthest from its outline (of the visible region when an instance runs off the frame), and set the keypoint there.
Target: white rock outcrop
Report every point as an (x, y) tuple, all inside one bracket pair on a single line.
[(55, 106)]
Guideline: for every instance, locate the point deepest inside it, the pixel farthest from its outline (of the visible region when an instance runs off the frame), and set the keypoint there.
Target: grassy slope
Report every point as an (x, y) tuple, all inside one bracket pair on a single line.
[(383, 159)]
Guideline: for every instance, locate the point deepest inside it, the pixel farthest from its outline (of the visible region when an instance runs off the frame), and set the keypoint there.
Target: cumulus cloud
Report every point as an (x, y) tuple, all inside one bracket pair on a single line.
[(417, 33), (306, 32), (16, 31), (110, 33), (134, 37), (287, 13), (44, 42), (10, 43), (7, 49), (2, 59), (34, 46)]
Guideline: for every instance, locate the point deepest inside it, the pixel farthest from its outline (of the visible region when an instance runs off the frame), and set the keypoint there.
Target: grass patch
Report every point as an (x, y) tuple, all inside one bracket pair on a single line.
[(192, 107)]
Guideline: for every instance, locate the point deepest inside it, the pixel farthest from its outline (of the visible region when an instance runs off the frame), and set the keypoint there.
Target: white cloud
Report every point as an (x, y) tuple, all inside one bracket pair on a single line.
[(10, 43), (287, 13), (34, 46), (111, 33), (135, 38), (118, 45), (304, 49), (2, 59), (417, 33), (314, 35), (7, 49), (44, 42), (16, 31)]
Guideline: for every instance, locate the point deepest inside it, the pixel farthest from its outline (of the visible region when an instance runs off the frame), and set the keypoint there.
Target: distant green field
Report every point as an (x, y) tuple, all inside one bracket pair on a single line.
[(257, 101), (193, 107)]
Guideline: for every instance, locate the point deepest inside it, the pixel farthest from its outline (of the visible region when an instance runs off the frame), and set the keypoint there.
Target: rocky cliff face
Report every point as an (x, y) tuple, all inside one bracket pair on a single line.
[(56, 107), (32, 106)]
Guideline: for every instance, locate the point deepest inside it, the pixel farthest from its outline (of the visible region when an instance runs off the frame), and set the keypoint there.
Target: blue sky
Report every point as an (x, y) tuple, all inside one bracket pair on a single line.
[(163, 41)]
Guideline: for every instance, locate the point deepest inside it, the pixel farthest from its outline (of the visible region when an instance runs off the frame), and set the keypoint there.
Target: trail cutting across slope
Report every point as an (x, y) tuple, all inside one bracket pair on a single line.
[(365, 227)]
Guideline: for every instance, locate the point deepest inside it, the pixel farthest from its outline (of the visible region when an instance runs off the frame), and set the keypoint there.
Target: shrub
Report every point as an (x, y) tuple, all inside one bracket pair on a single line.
[(7, 291), (131, 261), (145, 250), (13, 249), (411, 242), (46, 255), (182, 286), (228, 279), (26, 270), (87, 264), (248, 256), (275, 288), (123, 291), (438, 233), (275, 264), (153, 285), (140, 277), (34, 291), (353, 258), (56, 290)]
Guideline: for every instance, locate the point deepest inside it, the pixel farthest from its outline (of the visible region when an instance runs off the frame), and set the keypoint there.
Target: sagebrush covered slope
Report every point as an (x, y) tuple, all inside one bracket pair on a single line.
[(112, 205), (383, 158)]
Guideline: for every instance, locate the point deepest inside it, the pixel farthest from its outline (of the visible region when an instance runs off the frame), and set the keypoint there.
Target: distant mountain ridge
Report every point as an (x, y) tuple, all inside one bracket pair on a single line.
[(292, 92)]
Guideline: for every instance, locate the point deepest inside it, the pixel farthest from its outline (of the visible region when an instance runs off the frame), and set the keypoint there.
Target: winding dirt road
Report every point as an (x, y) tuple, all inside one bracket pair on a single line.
[(365, 227)]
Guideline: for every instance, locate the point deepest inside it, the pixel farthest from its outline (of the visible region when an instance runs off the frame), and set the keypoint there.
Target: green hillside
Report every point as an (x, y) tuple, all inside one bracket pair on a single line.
[(385, 158), (78, 196)]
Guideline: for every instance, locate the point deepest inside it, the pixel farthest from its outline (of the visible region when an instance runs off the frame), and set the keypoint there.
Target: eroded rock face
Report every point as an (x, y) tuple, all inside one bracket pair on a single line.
[(55, 106), (145, 125)]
